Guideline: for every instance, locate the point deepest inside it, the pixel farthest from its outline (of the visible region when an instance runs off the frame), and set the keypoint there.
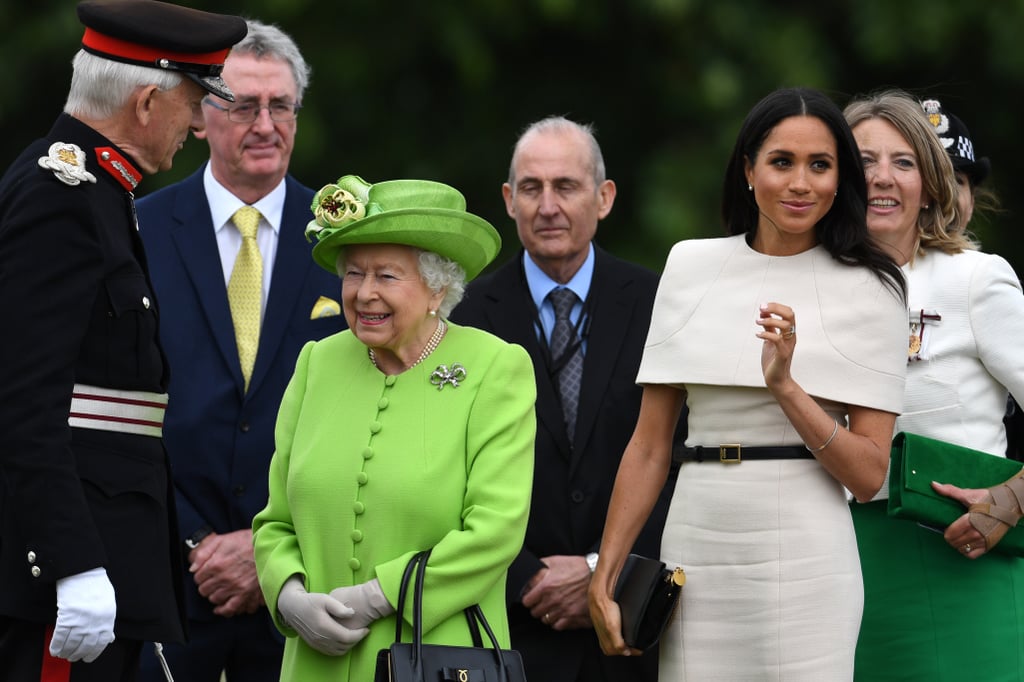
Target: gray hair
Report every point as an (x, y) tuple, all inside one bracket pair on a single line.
[(101, 86), (560, 124), (267, 41), (436, 271)]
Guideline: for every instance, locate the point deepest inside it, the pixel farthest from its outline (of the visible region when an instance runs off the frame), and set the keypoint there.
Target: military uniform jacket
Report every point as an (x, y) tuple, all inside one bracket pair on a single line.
[(77, 307)]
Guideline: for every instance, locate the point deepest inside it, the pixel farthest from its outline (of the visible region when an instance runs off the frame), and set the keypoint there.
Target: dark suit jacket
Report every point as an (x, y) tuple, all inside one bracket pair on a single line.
[(220, 439), (573, 481), (77, 306)]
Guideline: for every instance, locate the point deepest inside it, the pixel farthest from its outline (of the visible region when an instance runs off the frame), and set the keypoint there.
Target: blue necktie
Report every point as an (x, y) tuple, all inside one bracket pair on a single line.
[(564, 340)]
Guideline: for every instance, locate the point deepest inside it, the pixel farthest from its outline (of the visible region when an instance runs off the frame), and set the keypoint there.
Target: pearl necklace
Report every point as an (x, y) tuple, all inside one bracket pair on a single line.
[(432, 343)]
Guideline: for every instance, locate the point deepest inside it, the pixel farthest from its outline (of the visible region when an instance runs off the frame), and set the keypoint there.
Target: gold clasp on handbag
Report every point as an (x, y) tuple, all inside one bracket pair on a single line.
[(678, 577), (730, 453)]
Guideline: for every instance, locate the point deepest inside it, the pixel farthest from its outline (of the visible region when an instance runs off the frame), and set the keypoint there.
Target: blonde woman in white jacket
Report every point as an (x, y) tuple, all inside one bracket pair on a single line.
[(931, 611)]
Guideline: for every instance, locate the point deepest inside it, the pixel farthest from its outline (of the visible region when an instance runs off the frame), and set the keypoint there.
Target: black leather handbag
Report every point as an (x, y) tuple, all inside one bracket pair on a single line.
[(419, 662), (647, 593)]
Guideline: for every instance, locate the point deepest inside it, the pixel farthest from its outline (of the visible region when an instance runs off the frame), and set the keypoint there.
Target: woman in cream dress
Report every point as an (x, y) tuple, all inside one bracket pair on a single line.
[(763, 530)]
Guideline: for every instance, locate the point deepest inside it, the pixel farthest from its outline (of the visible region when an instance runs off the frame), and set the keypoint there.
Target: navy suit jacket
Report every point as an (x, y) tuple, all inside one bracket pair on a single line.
[(573, 481), (220, 438)]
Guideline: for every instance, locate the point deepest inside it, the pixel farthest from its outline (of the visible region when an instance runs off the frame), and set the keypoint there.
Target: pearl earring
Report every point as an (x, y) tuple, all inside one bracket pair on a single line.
[(433, 313), (750, 188)]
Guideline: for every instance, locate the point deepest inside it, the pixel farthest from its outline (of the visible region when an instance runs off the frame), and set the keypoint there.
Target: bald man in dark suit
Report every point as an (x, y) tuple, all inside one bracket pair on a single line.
[(587, 398)]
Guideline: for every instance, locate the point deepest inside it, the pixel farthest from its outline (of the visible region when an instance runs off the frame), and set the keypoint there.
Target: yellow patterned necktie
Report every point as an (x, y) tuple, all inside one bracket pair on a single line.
[(245, 290)]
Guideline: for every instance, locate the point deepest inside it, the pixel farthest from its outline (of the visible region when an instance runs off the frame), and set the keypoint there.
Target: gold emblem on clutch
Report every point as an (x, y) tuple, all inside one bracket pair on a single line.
[(678, 577)]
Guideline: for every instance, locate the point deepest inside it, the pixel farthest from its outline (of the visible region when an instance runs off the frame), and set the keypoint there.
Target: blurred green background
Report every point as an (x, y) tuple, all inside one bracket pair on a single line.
[(441, 89)]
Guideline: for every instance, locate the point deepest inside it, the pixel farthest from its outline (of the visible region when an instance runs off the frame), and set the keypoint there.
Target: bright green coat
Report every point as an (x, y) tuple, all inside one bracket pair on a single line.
[(371, 469)]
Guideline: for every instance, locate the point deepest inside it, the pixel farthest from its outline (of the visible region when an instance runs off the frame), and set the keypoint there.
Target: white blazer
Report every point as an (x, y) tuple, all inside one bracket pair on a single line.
[(966, 348)]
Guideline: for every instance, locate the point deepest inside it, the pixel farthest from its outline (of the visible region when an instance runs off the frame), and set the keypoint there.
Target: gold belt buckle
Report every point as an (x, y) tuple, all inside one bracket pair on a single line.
[(730, 453)]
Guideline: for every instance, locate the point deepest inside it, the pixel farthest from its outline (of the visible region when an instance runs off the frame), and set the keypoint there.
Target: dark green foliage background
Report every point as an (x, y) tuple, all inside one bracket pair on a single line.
[(441, 89)]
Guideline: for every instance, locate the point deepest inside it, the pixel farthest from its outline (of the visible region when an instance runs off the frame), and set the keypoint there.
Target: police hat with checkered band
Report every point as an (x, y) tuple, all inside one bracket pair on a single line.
[(957, 141)]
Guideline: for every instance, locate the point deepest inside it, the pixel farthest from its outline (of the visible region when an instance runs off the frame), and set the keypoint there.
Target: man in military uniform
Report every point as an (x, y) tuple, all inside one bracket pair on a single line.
[(90, 561)]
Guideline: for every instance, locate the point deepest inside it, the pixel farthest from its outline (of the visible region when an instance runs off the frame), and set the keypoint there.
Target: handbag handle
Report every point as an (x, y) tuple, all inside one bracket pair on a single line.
[(406, 577), (418, 563)]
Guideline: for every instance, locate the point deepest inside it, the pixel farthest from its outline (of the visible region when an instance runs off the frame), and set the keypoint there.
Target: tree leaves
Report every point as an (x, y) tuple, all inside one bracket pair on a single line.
[(441, 90)]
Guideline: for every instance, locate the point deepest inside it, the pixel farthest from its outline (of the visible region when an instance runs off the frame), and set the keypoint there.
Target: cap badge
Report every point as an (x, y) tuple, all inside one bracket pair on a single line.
[(448, 375), (933, 110), (67, 161), (939, 121)]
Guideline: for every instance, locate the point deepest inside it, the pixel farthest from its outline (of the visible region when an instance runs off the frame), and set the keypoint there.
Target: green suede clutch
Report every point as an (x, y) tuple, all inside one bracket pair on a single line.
[(917, 461)]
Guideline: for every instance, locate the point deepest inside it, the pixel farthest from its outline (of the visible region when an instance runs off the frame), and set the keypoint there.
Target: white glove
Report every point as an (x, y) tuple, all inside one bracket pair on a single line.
[(366, 599), (316, 618), (86, 609)]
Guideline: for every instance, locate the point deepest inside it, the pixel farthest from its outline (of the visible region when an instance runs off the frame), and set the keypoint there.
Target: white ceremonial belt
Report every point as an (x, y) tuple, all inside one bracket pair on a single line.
[(109, 409)]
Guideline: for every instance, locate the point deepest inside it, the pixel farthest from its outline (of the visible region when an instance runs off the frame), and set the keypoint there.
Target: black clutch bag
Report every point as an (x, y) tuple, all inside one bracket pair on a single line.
[(419, 662), (647, 593)]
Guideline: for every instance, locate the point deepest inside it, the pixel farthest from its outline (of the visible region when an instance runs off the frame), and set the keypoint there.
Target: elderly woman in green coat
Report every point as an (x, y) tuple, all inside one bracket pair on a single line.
[(404, 433)]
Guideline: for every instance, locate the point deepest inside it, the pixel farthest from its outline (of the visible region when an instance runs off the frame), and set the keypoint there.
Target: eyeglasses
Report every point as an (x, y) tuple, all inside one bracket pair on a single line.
[(247, 112)]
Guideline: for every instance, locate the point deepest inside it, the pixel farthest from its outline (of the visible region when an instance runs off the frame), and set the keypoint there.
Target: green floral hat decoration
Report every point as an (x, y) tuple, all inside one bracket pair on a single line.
[(427, 215)]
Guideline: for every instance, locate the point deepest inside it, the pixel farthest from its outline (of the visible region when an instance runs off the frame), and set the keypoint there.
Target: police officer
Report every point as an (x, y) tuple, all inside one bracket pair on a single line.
[(89, 559)]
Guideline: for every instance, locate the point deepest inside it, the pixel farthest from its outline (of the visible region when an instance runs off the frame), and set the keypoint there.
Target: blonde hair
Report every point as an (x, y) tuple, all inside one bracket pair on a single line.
[(940, 225)]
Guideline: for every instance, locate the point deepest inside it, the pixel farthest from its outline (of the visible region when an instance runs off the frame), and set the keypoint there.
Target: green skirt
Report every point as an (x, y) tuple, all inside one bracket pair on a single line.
[(929, 612)]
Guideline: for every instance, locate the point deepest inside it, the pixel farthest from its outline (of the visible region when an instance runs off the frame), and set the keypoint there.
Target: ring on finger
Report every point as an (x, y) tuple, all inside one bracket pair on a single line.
[(790, 333), (967, 548)]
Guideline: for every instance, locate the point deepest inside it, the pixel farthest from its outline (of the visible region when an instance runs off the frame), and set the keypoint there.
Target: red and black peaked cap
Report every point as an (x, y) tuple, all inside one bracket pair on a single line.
[(162, 36)]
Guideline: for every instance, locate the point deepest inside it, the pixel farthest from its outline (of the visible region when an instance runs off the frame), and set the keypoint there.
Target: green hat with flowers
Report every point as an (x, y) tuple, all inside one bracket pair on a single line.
[(427, 215)]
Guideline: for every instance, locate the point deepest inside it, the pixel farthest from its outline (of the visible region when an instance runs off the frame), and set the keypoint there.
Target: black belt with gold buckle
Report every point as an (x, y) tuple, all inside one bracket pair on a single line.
[(734, 453)]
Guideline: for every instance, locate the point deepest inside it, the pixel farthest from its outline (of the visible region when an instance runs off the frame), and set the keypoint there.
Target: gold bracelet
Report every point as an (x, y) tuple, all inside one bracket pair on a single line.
[(824, 445)]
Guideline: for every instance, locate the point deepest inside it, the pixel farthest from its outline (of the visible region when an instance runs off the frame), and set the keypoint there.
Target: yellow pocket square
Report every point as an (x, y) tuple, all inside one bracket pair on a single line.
[(324, 307)]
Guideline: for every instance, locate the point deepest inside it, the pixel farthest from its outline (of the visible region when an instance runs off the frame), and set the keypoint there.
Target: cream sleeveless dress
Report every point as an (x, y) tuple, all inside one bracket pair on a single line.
[(774, 587)]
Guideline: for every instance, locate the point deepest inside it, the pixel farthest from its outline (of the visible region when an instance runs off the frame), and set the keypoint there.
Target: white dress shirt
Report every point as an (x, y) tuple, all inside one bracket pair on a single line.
[(223, 205)]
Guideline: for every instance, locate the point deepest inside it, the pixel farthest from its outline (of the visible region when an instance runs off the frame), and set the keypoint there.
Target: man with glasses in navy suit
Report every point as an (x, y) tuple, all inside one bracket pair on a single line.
[(228, 375)]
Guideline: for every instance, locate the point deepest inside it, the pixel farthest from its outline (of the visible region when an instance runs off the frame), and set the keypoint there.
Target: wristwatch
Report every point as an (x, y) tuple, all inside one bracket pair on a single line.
[(592, 561), (192, 541)]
